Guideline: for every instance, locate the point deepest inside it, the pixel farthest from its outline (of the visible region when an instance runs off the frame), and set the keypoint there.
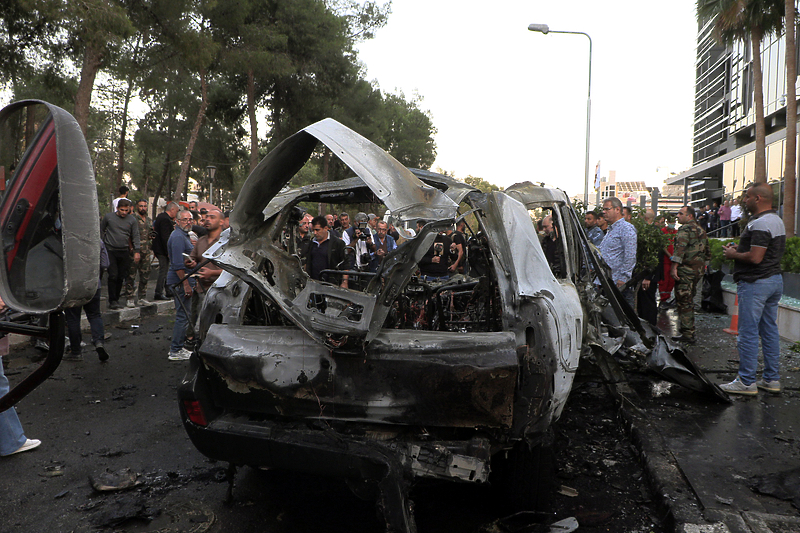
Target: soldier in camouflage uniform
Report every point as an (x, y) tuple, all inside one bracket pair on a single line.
[(688, 264), (145, 262)]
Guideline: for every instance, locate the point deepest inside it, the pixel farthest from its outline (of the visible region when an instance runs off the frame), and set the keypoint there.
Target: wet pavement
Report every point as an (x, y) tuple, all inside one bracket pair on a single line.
[(719, 467)]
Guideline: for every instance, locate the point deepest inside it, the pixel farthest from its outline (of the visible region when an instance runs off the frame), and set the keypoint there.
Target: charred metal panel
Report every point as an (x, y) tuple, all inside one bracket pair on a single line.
[(532, 195), (404, 377), (403, 193), (545, 313)]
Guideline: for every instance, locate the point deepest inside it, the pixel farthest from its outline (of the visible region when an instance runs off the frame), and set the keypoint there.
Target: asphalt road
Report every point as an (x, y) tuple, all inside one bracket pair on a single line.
[(118, 423)]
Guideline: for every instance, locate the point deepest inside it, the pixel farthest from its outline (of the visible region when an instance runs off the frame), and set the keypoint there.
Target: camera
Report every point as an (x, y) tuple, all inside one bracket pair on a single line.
[(365, 259), (438, 249), (362, 232)]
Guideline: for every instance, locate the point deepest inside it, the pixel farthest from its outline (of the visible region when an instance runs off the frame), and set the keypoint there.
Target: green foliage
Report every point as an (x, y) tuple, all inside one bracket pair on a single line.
[(791, 257), (650, 241), (736, 20), (580, 208), (717, 254), (481, 184)]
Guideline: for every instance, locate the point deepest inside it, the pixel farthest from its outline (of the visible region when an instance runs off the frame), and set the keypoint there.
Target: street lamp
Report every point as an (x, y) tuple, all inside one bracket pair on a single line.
[(211, 171), (545, 29)]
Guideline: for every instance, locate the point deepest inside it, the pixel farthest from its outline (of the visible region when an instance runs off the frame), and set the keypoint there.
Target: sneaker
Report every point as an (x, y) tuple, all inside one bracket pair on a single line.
[(737, 387), (41, 344), (769, 386), (29, 445), (182, 355), (143, 302), (130, 304), (684, 339)]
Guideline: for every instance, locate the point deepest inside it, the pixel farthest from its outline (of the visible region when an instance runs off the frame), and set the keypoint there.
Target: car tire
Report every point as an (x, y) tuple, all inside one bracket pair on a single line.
[(524, 477)]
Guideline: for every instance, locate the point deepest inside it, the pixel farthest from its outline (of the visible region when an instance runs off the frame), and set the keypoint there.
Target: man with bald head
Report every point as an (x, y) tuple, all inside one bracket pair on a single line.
[(757, 271), (552, 247), (208, 273)]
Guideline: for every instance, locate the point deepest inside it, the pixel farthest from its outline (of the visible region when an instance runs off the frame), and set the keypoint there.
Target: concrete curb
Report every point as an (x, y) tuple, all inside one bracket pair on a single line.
[(679, 507), (110, 317)]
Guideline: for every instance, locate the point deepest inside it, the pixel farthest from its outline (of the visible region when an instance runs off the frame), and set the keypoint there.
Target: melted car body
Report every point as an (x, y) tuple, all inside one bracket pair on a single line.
[(394, 378)]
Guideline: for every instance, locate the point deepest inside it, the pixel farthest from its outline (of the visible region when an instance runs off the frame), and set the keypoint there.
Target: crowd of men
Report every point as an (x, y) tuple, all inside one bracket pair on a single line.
[(327, 244), (682, 264), (177, 239)]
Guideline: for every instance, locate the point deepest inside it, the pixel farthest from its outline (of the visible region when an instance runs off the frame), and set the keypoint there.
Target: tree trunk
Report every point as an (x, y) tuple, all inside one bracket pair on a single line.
[(790, 160), (92, 59), (761, 132), (187, 159), (124, 130), (122, 136), (251, 113), (326, 157)]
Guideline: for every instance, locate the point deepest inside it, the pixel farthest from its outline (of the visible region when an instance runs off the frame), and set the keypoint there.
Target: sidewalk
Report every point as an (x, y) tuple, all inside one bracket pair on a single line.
[(114, 316), (711, 464)]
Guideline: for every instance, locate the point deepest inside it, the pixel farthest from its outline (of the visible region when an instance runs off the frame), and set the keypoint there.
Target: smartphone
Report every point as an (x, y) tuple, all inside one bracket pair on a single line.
[(186, 256)]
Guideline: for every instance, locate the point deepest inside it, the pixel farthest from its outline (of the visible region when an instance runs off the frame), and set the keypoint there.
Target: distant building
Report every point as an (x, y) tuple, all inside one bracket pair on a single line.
[(723, 158), (629, 192)]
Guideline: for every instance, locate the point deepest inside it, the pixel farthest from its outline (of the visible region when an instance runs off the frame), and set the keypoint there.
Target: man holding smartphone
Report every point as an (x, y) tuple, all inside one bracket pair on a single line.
[(757, 272)]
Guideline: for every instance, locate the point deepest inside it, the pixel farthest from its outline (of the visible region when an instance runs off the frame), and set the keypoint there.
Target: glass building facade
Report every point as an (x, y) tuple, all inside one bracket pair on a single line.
[(723, 148)]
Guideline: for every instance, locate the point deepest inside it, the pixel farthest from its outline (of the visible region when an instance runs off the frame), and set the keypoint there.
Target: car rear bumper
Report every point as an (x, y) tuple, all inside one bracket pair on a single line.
[(311, 446)]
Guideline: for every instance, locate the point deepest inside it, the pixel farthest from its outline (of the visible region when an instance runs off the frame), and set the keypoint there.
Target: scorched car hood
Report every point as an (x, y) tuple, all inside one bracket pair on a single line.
[(250, 250)]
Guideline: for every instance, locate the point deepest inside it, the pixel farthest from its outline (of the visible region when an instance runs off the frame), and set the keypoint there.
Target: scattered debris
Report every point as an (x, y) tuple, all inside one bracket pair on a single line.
[(784, 485), (123, 508), (53, 470), (110, 481), (568, 491), (568, 525)]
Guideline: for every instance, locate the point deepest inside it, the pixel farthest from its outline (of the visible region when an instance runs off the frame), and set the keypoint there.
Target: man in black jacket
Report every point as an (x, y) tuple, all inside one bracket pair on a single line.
[(326, 252), (163, 226)]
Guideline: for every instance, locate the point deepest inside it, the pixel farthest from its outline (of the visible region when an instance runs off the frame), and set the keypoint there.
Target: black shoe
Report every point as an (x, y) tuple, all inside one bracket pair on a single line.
[(102, 354), (114, 305), (684, 339), (161, 297)]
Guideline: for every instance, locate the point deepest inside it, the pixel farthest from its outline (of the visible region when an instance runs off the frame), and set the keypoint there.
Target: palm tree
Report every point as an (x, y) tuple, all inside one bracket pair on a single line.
[(790, 161), (740, 20)]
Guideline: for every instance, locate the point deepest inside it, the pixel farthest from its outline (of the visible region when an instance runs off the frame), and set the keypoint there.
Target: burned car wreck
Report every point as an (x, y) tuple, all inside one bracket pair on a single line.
[(395, 379)]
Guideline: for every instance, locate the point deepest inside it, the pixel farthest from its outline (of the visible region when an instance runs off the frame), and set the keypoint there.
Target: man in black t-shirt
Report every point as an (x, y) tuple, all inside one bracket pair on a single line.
[(434, 264), (757, 270), (460, 247)]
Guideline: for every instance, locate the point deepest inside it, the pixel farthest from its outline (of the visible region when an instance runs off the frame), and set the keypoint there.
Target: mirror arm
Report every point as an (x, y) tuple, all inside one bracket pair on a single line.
[(55, 334), (24, 329)]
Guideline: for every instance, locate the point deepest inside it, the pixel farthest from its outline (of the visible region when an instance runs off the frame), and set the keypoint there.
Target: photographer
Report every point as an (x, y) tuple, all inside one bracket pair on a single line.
[(434, 265), (384, 243), (361, 242)]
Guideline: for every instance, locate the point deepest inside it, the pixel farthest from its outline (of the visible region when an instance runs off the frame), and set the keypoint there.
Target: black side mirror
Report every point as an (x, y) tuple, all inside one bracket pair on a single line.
[(49, 228)]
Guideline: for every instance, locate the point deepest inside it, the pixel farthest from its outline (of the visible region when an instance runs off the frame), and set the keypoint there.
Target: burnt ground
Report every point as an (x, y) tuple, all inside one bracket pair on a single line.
[(95, 418)]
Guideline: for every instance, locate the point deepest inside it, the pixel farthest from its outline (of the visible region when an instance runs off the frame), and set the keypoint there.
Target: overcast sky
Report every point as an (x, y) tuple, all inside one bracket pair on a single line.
[(510, 104)]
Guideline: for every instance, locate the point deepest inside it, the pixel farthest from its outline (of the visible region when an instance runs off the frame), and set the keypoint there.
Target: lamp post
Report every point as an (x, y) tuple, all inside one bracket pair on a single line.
[(545, 29), (211, 171)]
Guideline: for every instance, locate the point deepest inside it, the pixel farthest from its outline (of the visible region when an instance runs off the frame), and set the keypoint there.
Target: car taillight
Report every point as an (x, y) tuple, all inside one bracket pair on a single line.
[(195, 412)]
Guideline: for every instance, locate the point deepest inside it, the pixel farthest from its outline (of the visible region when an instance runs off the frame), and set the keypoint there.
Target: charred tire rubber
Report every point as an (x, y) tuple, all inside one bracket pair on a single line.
[(525, 478)]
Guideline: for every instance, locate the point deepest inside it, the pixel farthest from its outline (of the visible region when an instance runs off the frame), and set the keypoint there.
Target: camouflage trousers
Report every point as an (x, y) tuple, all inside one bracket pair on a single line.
[(140, 270), (685, 290)]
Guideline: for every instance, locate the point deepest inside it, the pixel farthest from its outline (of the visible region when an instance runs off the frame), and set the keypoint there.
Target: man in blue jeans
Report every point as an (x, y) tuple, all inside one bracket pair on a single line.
[(757, 270), (178, 245)]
